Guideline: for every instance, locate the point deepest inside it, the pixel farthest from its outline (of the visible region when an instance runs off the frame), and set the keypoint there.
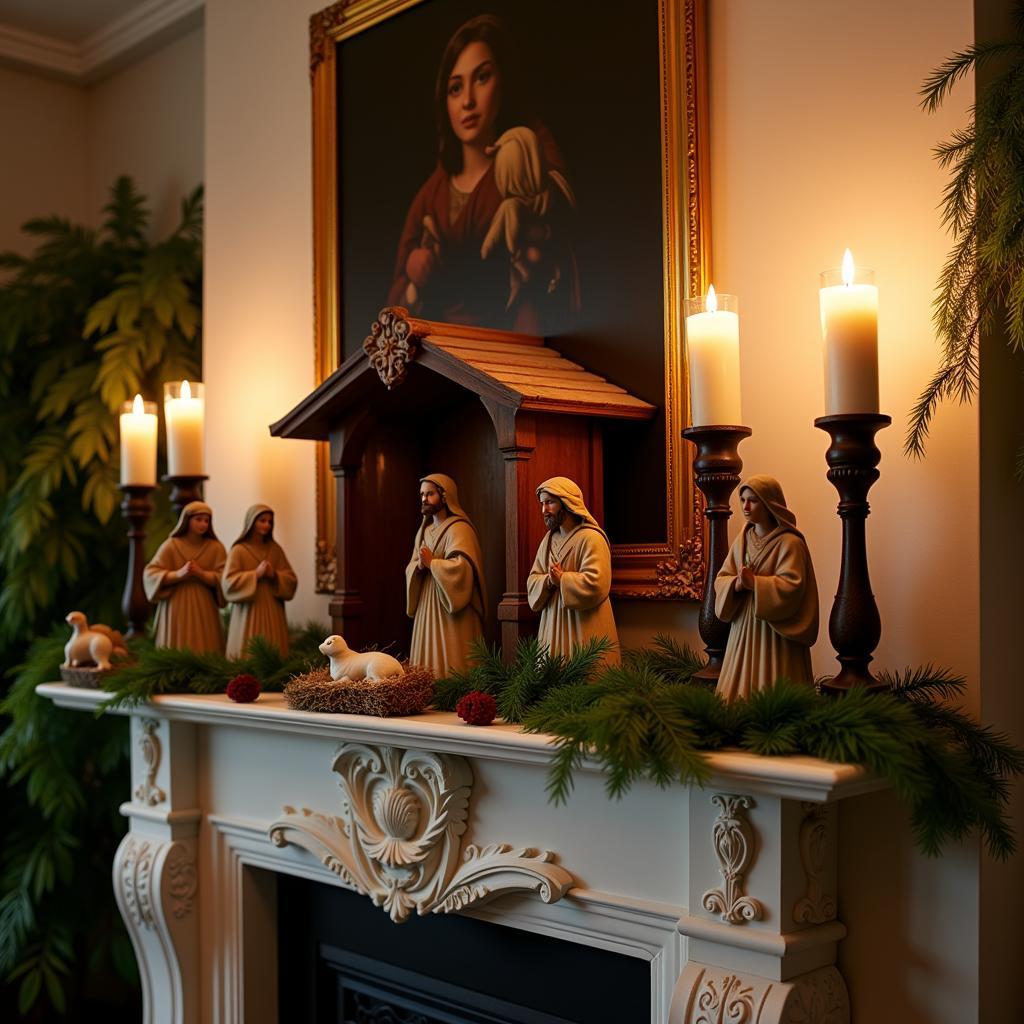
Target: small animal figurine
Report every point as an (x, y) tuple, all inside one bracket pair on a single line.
[(349, 664), (91, 645)]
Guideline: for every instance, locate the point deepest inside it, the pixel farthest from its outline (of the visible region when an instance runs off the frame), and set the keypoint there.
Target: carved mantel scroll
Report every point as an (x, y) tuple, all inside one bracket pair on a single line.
[(399, 838), (734, 846), (816, 905), (148, 792)]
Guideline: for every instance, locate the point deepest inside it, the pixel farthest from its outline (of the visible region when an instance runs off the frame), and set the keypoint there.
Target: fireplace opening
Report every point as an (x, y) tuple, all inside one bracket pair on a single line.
[(342, 960)]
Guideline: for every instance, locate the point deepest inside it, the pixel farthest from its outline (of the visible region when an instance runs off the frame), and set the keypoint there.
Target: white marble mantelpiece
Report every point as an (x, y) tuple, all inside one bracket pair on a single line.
[(728, 891)]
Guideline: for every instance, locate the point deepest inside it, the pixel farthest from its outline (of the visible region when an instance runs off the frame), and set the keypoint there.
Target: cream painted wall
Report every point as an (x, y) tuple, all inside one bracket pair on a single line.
[(817, 143), (147, 121), (64, 144), (45, 131), (259, 271)]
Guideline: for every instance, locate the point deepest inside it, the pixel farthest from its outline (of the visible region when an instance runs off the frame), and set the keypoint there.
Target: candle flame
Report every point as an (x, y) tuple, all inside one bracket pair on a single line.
[(186, 391), (137, 407), (847, 267), (711, 303)]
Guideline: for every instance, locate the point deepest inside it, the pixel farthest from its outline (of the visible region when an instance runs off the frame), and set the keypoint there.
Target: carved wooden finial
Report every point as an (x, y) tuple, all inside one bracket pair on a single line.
[(391, 345)]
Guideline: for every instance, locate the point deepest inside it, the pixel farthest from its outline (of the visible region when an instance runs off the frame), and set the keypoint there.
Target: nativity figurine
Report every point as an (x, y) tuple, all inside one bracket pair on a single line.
[(444, 581), (183, 580), (358, 665), (571, 576), (767, 591), (91, 646), (257, 581)]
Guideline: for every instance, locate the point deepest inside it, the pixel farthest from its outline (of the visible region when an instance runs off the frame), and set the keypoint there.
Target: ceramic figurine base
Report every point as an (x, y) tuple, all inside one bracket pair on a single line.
[(854, 627), (716, 470)]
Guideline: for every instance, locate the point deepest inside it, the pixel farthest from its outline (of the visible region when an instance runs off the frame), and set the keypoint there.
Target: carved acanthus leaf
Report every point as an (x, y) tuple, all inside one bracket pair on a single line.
[(399, 837)]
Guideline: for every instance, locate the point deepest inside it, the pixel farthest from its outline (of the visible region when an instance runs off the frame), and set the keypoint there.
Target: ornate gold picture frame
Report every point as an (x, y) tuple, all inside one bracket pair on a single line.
[(670, 566)]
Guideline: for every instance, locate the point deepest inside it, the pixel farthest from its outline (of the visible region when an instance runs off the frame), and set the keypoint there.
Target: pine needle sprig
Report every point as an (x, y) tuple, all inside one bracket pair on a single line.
[(925, 683), (774, 720), (520, 685), (675, 661), (983, 208)]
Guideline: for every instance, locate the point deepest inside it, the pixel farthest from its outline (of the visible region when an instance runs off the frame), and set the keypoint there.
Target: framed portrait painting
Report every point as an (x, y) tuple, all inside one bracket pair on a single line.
[(606, 104)]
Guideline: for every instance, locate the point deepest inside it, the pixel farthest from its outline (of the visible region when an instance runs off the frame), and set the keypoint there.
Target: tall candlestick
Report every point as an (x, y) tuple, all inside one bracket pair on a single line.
[(138, 443), (713, 357), (183, 411), (849, 326)]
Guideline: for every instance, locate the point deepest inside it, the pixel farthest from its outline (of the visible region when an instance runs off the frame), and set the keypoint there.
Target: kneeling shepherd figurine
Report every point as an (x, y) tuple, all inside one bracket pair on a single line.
[(767, 590)]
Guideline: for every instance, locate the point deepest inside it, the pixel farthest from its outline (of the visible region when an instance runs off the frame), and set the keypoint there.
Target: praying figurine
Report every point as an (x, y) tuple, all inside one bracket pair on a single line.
[(767, 590), (572, 574), (257, 581), (183, 580), (444, 581)]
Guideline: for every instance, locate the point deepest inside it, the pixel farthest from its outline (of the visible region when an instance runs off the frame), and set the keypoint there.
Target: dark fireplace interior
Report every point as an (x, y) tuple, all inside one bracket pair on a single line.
[(341, 960)]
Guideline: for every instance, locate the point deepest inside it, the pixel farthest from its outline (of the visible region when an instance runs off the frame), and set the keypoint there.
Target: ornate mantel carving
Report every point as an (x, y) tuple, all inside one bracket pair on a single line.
[(399, 838), (391, 345), (734, 846)]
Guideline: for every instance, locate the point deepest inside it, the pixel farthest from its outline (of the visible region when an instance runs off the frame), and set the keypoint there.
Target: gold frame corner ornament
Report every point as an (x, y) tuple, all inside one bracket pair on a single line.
[(665, 570)]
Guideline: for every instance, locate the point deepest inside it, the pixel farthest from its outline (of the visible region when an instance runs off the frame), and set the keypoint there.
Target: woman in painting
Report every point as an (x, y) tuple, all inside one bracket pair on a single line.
[(257, 582), (183, 579), (767, 590), (484, 241)]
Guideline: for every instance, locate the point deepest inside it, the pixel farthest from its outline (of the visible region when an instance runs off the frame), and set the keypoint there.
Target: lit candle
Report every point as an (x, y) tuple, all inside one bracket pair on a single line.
[(849, 326), (183, 411), (138, 443), (713, 354)]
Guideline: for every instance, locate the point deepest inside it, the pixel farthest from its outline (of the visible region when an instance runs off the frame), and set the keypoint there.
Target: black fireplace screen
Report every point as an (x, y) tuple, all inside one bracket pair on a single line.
[(341, 960)]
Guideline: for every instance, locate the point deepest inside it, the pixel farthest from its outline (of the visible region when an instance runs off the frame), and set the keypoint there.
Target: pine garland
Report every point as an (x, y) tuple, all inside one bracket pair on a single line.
[(646, 719), (158, 670), (953, 773)]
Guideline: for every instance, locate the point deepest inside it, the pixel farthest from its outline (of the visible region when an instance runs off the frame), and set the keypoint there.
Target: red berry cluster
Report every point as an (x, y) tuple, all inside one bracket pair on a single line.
[(244, 689), (477, 708)]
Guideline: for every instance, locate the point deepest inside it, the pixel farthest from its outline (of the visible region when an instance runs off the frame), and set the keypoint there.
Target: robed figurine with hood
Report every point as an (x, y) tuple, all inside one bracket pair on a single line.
[(444, 581), (767, 591)]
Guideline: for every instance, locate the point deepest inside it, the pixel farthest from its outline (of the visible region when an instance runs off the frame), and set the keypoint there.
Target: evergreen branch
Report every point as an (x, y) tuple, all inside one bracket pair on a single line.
[(940, 82)]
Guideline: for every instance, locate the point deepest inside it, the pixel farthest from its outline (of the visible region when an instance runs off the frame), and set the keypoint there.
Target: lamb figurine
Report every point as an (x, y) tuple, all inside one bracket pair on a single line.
[(349, 664), (91, 645)]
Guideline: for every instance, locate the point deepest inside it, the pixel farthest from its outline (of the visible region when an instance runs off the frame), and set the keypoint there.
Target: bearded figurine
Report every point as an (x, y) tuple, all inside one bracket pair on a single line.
[(767, 591), (572, 574), (444, 581)]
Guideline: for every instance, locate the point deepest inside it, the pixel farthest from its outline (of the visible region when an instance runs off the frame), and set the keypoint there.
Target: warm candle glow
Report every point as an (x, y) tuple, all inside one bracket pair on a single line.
[(713, 357), (849, 328), (138, 443), (848, 268), (184, 414)]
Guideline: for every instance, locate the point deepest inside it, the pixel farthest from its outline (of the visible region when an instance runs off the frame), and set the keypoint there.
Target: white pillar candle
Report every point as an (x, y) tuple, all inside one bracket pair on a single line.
[(849, 327), (713, 358), (138, 443), (183, 412)]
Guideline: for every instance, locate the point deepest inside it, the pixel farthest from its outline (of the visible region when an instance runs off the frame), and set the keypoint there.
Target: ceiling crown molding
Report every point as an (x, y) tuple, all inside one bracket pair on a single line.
[(125, 39)]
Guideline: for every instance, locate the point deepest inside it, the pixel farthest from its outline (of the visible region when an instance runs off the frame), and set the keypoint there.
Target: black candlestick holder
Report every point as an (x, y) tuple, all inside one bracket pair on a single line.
[(136, 508), (184, 489), (716, 469), (854, 627)]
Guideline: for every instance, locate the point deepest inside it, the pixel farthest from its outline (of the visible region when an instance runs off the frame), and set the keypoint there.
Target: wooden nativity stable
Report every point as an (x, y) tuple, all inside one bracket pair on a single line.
[(499, 412)]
